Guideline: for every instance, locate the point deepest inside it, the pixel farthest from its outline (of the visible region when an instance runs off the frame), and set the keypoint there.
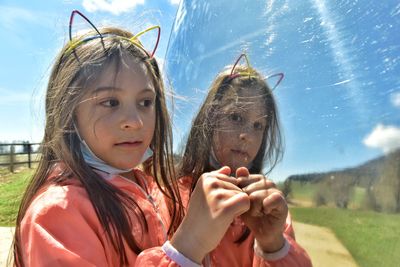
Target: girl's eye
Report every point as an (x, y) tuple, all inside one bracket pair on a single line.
[(110, 103), (146, 103), (258, 126), (235, 117)]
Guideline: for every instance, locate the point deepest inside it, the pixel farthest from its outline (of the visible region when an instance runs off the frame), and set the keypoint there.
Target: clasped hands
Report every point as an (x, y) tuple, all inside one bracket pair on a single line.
[(218, 198)]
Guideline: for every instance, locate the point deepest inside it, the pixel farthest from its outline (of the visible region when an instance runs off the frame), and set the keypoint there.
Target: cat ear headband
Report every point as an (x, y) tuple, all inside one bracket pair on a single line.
[(74, 43), (250, 73)]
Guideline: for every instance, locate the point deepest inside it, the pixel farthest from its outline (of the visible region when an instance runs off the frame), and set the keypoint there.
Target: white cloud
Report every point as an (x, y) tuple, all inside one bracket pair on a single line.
[(383, 137), (175, 2), (395, 99), (115, 7)]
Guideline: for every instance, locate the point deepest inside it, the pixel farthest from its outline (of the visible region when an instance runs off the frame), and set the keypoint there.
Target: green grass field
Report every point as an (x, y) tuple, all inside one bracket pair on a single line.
[(12, 187), (372, 238)]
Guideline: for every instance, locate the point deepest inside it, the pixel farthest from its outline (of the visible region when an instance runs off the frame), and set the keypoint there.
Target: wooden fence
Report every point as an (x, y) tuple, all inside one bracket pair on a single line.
[(16, 154)]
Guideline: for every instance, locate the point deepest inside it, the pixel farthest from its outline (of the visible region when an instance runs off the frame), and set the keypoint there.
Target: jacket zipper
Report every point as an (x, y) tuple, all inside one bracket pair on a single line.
[(151, 200)]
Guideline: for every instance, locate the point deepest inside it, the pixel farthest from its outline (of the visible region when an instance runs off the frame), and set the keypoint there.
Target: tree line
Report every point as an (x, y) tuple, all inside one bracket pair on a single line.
[(379, 177)]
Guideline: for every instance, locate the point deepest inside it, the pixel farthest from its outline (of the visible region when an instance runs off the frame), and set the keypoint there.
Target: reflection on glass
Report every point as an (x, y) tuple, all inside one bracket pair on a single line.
[(339, 105)]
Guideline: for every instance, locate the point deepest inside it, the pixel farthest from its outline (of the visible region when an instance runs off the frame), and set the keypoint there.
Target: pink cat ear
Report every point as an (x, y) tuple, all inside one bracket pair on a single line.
[(71, 21), (74, 43), (135, 39), (280, 76), (233, 74)]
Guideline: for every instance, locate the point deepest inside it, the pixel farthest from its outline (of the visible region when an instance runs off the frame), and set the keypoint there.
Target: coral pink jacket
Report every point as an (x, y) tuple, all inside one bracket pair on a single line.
[(231, 254), (61, 228)]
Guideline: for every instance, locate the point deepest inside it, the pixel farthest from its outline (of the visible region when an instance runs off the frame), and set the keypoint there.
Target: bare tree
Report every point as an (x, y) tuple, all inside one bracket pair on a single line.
[(387, 189)]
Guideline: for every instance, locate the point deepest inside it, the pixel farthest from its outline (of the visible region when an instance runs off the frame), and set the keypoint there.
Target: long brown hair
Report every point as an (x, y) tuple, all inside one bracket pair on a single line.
[(67, 84), (198, 147)]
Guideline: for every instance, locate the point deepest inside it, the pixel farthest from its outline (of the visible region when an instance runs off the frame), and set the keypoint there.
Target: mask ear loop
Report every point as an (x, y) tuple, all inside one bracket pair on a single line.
[(234, 75), (74, 44)]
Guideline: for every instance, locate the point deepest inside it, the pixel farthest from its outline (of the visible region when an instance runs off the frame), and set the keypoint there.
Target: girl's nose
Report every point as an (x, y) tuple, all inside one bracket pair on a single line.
[(132, 120), (244, 136)]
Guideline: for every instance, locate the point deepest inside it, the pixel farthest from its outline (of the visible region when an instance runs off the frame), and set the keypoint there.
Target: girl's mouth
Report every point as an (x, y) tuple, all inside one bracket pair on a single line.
[(129, 144), (240, 152)]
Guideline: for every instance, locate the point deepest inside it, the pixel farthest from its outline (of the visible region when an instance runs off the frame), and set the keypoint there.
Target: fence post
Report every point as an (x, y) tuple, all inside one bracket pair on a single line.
[(29, 155), (12, 151)]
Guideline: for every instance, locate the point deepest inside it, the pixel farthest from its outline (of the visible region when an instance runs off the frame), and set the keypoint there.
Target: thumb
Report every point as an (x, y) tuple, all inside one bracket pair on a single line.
[(224, 170), (242, 172)]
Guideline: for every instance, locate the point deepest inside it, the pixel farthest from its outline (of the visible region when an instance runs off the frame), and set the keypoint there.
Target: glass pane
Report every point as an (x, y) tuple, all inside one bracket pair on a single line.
[(339, 104)]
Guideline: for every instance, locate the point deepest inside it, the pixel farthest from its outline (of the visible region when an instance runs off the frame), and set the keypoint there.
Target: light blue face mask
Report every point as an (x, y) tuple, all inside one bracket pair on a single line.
[(96, 163)]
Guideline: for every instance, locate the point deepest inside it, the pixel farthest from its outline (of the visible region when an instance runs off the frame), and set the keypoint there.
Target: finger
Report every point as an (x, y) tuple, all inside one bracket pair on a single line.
[(275, 202), (245, 181), (242, 172), (256, 203), (224, 170), (213, 183), (221, 176), (236, 205), (257, 199), (229, 179), (258, 183)]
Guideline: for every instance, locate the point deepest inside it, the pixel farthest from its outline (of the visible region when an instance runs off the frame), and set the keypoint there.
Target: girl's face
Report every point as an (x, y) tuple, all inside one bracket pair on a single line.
[(116, 117), (240, 130)]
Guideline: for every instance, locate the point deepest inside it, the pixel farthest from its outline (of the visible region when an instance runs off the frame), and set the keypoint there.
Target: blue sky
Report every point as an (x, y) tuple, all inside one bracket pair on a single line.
[(340, 100), (32, 34)]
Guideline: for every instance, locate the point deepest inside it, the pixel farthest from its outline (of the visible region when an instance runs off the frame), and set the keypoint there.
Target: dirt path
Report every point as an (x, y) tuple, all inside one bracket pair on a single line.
[(6, 236), (322, 245)]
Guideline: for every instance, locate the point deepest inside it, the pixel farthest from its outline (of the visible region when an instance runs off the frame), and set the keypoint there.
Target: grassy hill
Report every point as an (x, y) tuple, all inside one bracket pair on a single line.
[(375, 185)]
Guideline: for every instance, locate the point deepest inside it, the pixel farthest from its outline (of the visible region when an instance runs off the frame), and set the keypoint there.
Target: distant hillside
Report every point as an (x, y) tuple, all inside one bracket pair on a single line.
[(363, 175)]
